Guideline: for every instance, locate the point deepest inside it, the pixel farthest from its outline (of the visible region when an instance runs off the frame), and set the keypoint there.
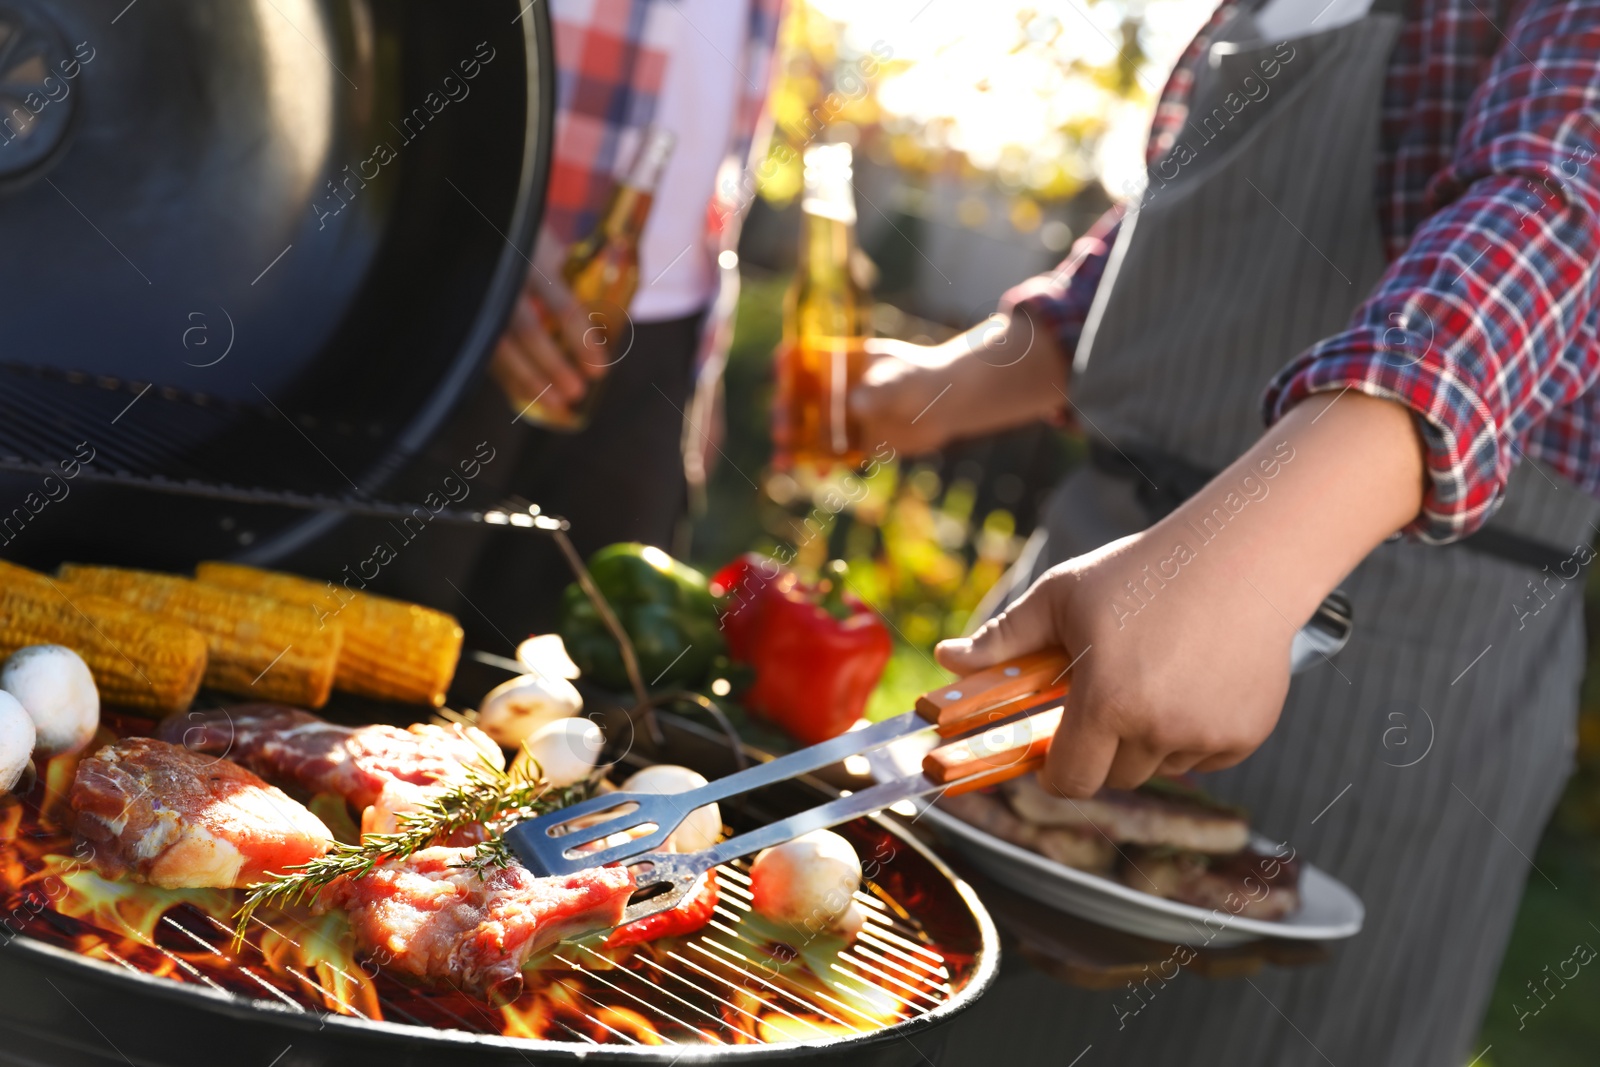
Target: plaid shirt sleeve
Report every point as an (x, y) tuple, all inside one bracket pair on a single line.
[(1485, 325), (1059, 301)]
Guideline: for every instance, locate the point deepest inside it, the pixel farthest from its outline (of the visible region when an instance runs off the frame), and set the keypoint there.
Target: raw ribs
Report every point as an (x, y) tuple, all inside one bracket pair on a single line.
[(426, 917), (294, 747)]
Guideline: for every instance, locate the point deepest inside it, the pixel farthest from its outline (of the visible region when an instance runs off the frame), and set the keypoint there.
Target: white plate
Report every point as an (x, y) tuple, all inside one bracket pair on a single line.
[(1328, 909)]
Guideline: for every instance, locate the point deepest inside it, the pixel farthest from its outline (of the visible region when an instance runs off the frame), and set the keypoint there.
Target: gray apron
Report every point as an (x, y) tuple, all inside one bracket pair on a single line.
[(1421, 765)]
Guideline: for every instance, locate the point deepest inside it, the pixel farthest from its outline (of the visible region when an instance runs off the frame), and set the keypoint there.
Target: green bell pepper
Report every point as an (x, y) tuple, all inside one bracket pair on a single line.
[(666, 608)]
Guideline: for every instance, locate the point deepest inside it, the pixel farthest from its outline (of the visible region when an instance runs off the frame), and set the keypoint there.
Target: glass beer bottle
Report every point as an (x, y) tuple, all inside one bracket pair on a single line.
[(825, 324), (601, 271)]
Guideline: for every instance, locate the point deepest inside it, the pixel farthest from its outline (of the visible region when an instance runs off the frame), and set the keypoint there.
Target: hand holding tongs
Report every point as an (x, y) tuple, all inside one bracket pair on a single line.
[(1004, 717)]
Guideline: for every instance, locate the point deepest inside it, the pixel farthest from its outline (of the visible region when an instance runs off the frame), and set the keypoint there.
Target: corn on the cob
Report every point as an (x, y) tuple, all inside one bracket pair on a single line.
[(137, 660), (392, 650), (258, 646)]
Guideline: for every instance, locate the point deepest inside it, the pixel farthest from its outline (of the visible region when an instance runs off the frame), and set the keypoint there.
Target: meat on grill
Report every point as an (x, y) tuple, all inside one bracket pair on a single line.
[(442, 923), (1141, 816), (155, 812), (294, 747)]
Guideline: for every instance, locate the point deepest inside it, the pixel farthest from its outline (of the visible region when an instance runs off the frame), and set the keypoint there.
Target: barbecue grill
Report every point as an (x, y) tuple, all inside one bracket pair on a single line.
[(236, 320), (170, 987)]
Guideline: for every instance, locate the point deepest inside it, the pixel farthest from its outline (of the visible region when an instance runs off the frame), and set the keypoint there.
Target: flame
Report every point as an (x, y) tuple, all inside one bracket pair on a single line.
[(632, 1023), (323, 960), (528, 1017), (125, 906), (775, 1027), (58, 775)]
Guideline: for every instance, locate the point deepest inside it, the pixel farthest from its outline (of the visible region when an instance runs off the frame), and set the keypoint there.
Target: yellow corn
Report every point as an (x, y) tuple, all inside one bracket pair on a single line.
[(137, 660), (259, 647), (392, 650)]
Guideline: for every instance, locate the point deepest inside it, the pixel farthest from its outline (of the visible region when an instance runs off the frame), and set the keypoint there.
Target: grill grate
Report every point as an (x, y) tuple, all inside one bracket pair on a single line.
[(728, 984), (166, 440)]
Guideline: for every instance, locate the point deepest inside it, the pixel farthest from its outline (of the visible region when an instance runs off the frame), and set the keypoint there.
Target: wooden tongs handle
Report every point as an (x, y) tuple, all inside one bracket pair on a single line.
[(986, 698)]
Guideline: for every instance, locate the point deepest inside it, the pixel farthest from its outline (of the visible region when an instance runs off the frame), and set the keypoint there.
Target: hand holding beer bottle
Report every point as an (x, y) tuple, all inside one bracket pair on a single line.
[(570, 324)]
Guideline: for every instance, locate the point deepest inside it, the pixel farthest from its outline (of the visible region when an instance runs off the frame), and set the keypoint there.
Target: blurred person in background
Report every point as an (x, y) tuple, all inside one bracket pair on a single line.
[(1374, 226), (700, 69)]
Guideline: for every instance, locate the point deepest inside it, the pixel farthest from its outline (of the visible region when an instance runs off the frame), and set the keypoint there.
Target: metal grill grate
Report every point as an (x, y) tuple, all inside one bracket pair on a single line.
[(167, 440), (728, 984)]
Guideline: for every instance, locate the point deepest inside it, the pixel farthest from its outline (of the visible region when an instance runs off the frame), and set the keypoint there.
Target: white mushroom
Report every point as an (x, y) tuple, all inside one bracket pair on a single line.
[(809, 882), (546, 654), (55, 687), (515, 709), (16, 740), (702, 826), (566, 750)]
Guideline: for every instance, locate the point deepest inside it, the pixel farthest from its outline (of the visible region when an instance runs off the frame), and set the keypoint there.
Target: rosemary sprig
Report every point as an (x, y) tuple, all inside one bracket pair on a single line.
[(487, 795)]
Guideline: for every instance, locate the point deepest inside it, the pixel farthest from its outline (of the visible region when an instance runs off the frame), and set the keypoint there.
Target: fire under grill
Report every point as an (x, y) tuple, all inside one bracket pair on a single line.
[(740, 981)]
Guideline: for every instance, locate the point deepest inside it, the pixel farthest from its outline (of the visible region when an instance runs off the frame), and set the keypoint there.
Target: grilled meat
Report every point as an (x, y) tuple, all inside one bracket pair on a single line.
[(1084, 849), (1253, 884), (989, 813), (158, 813), (1172, 842), (294, 747), (1185, 819), (424, 917)]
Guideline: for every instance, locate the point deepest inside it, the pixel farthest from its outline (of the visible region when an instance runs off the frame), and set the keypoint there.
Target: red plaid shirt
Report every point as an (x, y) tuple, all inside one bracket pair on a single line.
[(609, 67), (1488, 193)]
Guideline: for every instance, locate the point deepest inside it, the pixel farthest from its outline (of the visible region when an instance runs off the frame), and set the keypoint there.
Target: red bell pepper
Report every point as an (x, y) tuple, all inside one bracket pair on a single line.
[(741, 589), (817, 650)]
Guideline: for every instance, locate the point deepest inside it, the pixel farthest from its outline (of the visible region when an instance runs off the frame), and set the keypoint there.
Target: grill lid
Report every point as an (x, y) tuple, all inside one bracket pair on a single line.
[(308, 212)]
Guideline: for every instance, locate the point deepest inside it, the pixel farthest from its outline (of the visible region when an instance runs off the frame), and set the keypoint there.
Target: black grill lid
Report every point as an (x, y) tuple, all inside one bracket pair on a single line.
[(263, 244)]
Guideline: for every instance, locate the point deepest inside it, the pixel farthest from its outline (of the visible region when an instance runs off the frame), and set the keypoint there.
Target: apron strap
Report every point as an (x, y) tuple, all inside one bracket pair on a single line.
[(1162, 482)]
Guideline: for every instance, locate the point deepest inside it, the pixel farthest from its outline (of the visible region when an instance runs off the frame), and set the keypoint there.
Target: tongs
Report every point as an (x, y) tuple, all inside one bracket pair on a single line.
[(1001, 720), (998, 723)]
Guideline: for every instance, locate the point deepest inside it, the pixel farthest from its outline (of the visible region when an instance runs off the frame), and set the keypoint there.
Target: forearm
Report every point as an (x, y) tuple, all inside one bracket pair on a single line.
[(1299, 510), (1010, 370)]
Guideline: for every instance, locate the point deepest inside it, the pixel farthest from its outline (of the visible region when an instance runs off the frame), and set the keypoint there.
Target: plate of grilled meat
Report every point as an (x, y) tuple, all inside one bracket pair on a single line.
[(1164, 861)]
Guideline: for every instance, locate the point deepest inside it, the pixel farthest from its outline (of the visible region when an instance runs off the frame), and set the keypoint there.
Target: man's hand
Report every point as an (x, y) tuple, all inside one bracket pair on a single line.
[(1181, 634), (999, 374), (534, 360), (529, 364)]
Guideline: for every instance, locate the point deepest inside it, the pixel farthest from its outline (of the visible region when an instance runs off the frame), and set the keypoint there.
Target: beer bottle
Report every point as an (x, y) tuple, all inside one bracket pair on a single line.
[(825, 324), (601, 272)]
